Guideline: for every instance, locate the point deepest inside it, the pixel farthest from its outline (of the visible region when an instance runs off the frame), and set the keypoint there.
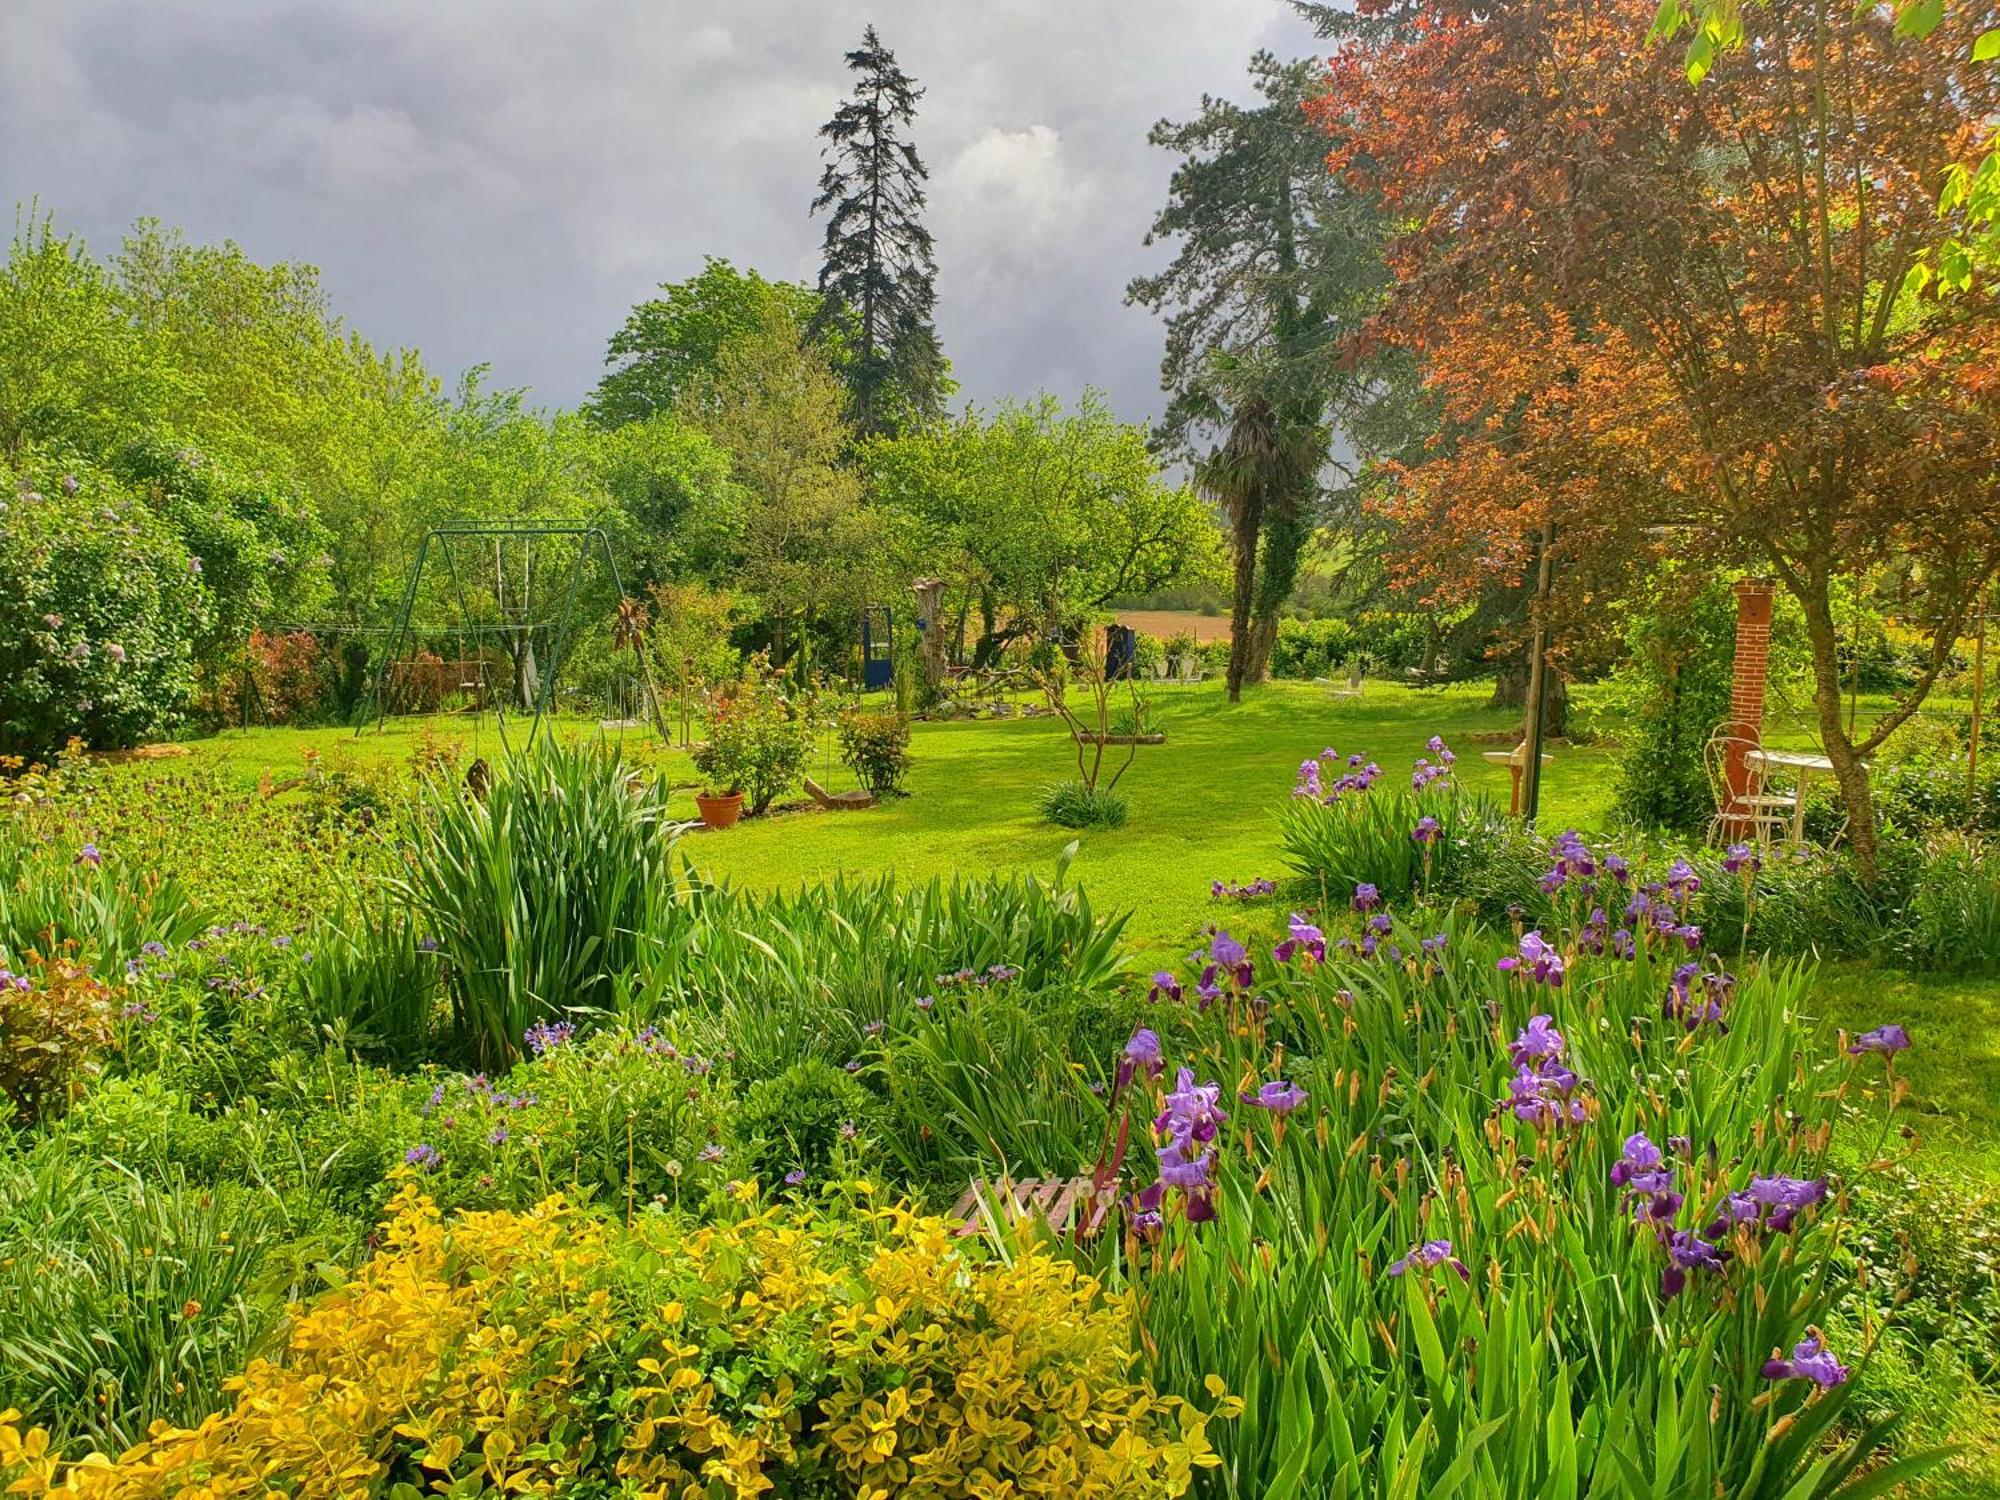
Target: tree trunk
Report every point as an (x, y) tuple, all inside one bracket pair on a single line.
[(1848, 772), (1510, 690), (1249, 520)]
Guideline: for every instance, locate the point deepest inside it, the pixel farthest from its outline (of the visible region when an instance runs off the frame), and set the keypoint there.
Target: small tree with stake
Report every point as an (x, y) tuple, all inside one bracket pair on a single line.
[(1080, 691)]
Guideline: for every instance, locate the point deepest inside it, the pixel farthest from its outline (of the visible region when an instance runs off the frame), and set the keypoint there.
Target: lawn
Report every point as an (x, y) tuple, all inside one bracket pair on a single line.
[(1203, 805)]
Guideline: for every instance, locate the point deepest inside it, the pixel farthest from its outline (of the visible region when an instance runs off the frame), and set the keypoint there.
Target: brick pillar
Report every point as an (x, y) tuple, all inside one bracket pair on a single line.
[(1746, 690)]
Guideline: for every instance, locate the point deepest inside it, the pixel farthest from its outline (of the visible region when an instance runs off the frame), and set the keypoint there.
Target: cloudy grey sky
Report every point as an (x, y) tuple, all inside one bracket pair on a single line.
[(499, 180)]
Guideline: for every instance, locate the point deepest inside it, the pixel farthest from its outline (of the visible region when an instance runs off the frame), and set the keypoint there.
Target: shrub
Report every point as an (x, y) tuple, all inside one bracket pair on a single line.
[(55, 1021), (540, 895), (1342, 830), (370, 980), (1673, 693), (1312, 648), (876, 747), (758, 742), (1953, 916), (125, 1303), (290, 674), (100, 610), (802, 1119), (1075, 805), (775, 1352)]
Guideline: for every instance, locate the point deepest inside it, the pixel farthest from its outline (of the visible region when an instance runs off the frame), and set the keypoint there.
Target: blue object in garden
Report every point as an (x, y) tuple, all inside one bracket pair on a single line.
[(1121, 645), (878, 638)]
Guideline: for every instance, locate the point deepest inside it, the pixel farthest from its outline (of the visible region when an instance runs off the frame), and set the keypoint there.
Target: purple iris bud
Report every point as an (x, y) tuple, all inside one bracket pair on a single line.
[(1887, 1040), (1278, 1097), (1165, 987), (421, 1156), (1811, 1360), (1428, 1257)]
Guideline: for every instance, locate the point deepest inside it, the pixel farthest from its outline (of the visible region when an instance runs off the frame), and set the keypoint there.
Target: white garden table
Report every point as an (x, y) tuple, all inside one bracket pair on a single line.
[(1803, 764)]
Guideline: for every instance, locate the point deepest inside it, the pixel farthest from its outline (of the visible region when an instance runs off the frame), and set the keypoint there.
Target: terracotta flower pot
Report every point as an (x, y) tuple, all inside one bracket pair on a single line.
[(719, 812)]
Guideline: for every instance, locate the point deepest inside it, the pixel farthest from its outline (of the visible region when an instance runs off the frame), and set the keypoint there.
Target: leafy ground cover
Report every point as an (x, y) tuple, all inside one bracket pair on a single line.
[(1710, 1237)]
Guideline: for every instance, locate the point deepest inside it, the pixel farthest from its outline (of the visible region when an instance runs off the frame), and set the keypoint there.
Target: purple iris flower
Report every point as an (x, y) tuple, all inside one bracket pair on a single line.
[(1682, 879), (1537, 1041), (1887, 1040), (1304, 938), (1142, 1054), (1428, 1257), (1193, 1111), (89, 855), (1786, 1197), (1433, 946), (1165, 987), (1366, 898), (1427, 831), (1687, 1252), (1811, 1360), (1642, 1170), (1278, 1097), (1538, 959), (1739, 859)]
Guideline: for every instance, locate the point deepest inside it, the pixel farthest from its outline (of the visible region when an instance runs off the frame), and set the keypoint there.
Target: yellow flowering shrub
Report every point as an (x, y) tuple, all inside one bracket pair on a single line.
[(777, 1353)]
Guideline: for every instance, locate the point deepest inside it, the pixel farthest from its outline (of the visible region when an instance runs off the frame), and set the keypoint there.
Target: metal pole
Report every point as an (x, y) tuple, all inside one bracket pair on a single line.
[(396, 639), (1538, 678)]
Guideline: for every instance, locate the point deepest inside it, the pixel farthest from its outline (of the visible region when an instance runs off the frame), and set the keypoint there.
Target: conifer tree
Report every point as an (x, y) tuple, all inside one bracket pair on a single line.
[(877, 276)]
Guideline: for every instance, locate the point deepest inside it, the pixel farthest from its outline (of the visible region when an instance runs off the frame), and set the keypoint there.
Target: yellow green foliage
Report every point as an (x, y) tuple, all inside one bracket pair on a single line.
[(55, 1021), (776, 1353)]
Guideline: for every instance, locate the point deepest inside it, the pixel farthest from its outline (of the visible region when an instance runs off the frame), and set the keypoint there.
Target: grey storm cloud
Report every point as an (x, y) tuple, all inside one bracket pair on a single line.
[(497, 182)]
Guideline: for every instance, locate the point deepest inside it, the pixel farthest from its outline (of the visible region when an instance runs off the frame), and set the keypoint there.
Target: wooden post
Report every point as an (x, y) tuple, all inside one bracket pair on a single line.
[(1978, 695), (930, 629), (1531, 789)]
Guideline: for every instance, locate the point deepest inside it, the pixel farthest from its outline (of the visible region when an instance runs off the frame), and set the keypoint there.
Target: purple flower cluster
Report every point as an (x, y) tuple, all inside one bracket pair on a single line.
[(1543, 1092), (1648, 1179), (1189, 1122), (1222, 890), (1695, 1004), (1772, 1203), (423, 1157), (1573, 861), (1312, 781), (978, 978), (1538, 960), (1654, 908), (546, 1036)]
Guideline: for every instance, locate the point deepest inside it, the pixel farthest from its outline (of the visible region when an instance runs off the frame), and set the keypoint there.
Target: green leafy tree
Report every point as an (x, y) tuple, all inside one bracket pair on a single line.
[(672, 341), (1276, 264), (775, 406), (877, 271)]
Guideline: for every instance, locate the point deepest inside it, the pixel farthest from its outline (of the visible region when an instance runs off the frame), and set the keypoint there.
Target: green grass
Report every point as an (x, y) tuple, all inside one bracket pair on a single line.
[(1203, 806)]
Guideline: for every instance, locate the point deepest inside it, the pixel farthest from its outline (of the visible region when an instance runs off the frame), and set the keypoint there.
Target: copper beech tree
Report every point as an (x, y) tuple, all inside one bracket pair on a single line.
[(1666, 318)]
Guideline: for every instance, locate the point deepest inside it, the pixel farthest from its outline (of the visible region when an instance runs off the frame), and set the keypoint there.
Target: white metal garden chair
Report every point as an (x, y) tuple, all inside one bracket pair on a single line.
[(1766, 814)]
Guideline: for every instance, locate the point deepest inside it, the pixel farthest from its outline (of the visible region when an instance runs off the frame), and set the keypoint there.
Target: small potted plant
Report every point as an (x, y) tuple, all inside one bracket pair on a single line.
[(757, 747)]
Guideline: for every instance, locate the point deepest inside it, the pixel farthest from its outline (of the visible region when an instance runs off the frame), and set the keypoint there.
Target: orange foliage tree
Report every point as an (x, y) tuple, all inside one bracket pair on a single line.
[(1662, 318)]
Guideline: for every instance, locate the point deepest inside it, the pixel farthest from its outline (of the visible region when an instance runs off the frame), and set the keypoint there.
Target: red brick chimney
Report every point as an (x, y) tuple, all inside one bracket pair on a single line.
[(1746, 691)]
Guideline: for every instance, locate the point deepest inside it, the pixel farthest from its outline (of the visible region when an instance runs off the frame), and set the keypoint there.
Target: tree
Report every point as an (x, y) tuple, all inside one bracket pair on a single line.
[(876, 270), (673, 340), (1277, 264), (1673, 319), (774, 404), (1042, 514)]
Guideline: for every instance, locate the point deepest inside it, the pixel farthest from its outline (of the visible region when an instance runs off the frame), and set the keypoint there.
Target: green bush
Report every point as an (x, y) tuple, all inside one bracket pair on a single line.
[(1074, 805), (100, 609), (758, 742), (876, 747), (541, 895), (1952, 922), (1312, 648), (57, 889), (802, 1120), (1672, 694)]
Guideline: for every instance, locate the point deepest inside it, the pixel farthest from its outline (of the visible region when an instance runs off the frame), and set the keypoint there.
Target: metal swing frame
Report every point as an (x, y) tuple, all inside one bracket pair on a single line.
[(444, 534)]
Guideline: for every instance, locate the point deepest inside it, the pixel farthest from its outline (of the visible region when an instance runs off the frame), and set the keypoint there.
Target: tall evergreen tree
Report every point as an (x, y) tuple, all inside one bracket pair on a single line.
[(877, 272), (1276, 265)]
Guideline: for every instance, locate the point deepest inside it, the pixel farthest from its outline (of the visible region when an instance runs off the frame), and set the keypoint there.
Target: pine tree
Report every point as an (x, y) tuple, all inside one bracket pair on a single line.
[(877, 276)]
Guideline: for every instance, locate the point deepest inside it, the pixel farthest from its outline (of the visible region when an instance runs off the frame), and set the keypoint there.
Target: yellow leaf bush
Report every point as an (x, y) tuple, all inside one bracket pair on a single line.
[(777, 1353)]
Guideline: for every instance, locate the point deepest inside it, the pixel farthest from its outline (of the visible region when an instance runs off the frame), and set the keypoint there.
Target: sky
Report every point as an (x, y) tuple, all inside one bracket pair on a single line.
[(495, 181)]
